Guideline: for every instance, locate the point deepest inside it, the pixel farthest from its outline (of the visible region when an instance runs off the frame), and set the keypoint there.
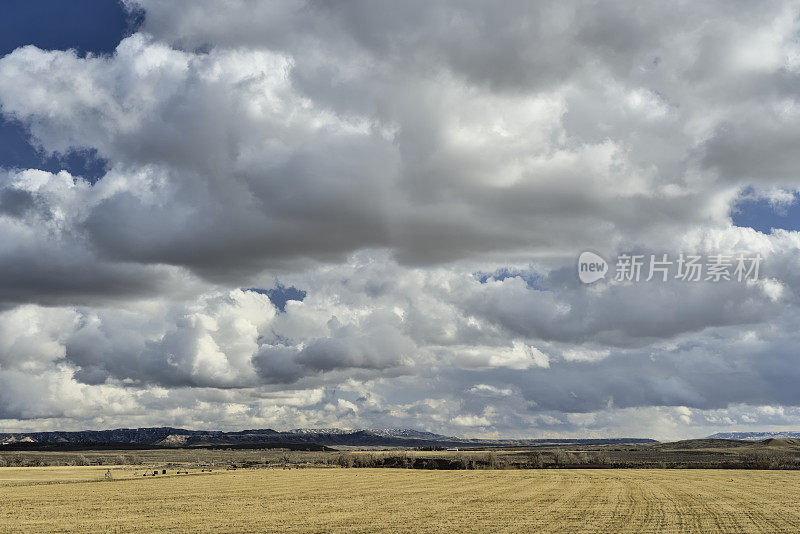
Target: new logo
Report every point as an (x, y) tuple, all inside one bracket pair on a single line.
[(591, 267)]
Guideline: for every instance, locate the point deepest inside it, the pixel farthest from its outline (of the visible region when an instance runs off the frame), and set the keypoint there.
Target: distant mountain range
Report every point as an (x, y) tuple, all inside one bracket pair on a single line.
[(328, 437), (755, 436)]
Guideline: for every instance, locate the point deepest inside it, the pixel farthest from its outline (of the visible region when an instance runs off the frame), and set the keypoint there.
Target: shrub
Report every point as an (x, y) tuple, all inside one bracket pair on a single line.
[(344, 460), (782, 460), (34, 461), (406, 460), (460, 462), (601, 458), (364, 460), (535, 460), (758, 460), (491, 460)]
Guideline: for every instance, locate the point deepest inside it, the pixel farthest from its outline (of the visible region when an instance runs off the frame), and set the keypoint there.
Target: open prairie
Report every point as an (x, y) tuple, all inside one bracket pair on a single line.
[(367, 500)]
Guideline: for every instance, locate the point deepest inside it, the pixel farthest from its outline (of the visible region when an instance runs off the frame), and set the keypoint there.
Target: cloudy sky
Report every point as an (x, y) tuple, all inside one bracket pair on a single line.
[(242, 214)]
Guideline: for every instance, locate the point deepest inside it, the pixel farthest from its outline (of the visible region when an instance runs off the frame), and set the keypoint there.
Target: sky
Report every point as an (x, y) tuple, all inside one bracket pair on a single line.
[(369, 214)]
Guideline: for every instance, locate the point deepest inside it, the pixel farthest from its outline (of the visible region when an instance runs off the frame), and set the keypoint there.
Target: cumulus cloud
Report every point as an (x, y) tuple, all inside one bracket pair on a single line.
[(383, 158), (265, 148)]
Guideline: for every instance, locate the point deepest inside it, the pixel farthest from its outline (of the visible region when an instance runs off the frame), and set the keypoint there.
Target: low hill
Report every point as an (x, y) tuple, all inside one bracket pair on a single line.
[(781, 442), (756, 436), (716, 443), (706, 443)]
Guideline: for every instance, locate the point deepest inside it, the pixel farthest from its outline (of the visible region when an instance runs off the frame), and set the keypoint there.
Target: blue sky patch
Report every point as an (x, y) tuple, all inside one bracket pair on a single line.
[(761, 214), (95, 26), (16, 152), (86, 26), (532, 279), (280, 294)]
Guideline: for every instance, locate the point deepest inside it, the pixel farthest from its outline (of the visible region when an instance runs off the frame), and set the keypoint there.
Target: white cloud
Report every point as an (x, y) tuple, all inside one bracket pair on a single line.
[(471, 420), (487, 389)]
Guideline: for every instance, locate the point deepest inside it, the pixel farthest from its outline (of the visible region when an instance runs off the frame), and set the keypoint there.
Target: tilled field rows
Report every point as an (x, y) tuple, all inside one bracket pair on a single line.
[(369, 500)]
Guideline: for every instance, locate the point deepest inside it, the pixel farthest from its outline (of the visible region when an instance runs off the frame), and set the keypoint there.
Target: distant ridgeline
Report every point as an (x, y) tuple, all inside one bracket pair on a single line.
[(300, 439)]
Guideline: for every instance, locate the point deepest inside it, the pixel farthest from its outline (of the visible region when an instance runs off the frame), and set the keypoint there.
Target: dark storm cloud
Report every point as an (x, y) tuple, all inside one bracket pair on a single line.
[(16, 202)]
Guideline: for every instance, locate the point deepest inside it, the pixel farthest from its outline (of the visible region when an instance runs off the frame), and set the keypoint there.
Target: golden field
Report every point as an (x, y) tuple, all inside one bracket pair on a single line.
[(59, 499)]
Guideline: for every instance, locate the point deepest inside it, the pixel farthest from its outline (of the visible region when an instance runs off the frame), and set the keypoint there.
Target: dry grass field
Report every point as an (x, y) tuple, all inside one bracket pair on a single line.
[(369, 500)]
